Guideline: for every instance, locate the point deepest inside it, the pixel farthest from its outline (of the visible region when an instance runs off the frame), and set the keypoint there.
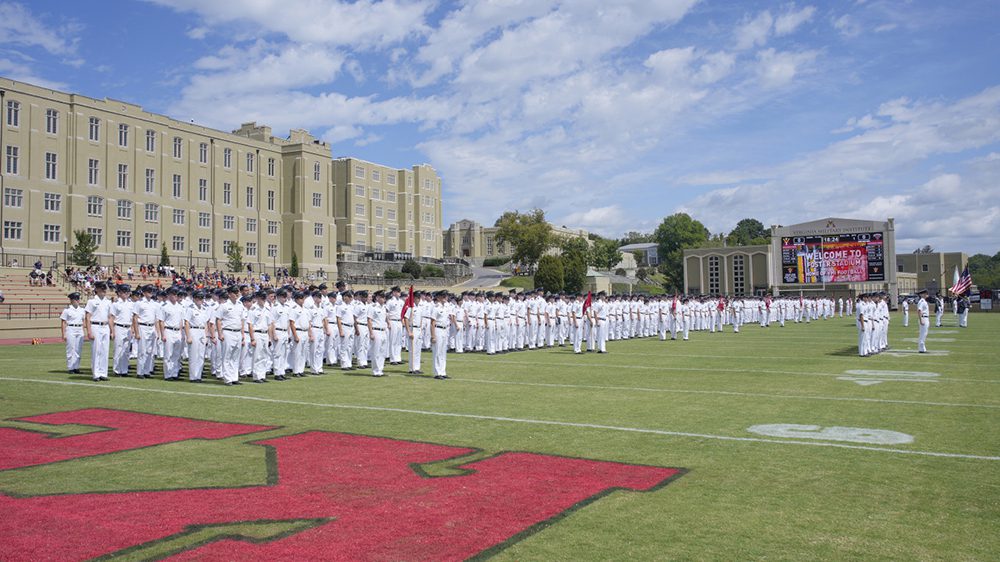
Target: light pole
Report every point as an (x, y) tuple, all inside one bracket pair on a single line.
[(65, 252)]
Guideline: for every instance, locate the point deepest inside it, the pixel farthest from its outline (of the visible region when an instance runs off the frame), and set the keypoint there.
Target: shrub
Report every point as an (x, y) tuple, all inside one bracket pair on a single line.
[(413, 268), (496, 262), (432, 271), (392, 274), (550, 275)]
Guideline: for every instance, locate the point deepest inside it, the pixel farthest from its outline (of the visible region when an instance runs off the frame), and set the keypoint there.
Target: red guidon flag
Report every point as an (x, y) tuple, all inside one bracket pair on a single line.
[(586, 303), (408, 304), (673, 305)]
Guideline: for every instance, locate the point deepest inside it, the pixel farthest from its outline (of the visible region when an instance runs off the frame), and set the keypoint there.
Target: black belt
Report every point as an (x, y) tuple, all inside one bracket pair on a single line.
[(379, 329), (301, 329), (318, 327), (395, 320), (232, 330), (98, 323), (146, 325), (197, 327), (442, 327), (123, 325), (347, 325), (74, 325), (260, 331), (171, 328), (282, 329)]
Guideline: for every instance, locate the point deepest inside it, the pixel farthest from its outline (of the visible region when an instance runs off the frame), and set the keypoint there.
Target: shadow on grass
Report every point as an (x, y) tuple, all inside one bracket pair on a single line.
[(845, 352)]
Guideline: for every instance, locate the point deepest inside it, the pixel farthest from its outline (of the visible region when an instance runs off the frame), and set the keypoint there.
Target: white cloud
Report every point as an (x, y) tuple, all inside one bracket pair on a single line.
[(754, 32), (24, 73), (790, 20), (19, 27), (609, 221), (197, 33), (776, 68), (847, 27)]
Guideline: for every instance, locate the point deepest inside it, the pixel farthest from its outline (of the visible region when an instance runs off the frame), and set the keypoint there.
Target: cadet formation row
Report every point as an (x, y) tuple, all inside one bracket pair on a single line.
[(288, 332)]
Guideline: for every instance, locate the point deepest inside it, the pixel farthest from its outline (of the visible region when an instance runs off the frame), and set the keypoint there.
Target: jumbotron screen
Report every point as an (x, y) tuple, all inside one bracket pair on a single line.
[(841, 258)]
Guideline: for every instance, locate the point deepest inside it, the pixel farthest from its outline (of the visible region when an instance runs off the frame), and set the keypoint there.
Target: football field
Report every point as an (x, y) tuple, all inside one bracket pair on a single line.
[(775, 443)]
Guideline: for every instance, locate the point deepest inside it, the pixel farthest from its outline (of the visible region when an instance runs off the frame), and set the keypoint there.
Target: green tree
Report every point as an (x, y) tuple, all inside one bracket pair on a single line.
[(605, 254), (550, 274), (293, 269), (747, 232), (235, 258), (985, 270), (82, 253), (633, 237), (574, 257), (413, 268), (164, 258), (675, 233), (528, 235)]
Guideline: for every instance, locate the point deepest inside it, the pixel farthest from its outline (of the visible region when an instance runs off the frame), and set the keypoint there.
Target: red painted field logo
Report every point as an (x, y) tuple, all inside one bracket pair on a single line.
[(329, 496)]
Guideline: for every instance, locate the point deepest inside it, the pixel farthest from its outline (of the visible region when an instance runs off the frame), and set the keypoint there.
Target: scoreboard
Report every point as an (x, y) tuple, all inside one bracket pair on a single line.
[(839, 258)]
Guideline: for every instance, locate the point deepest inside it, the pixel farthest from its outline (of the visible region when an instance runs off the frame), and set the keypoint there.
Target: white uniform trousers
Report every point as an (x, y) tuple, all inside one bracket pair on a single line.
[(232, 344), (74, 347), (414, 344), (297, 351), (261, 355), (246, 357), (937, 316), (441, 351), (172, 352), (551, 333), (317, 350), (377, 350), (532, 333), (491, 337), (333, 345), (123, 346), (279, 352), (99, 350), (147, 350), (362, 342), (395, 341), (576, 333), (425, 332), (347, 347), (196, 354), (963, 319), (459, 336), (906, 318), (922, 334), (862, 347)]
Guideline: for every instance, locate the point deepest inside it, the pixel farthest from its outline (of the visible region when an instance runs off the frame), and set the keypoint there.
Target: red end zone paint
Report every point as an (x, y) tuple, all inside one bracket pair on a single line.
[(379, 507), (128, 430)]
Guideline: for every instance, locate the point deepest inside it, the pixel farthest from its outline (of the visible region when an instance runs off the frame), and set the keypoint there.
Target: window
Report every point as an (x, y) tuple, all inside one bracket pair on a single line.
[(316, 171), (14, 113), (123, 176), (428, 234), (51, 166), (51, 232), (95, 206), (925, 268), (428, 250), (378, 246), (270, 167), (318, 252), (97, 234), (317, 199), (272, 250), (392, 247), (359, 210), (94, 129), (272, 227), (227, 158), (179, 215), (427, 184), (713, 274), (204, 220), (359, 172), (150, 141), (318, 229), (178, 144), (124, 209), (409, 181), (93, 171), (150, 180), (361, 229), (178, 244), (228, 222), (227, 246), (122, 135), (251, 225), (249, 197), (390, 196), (13, 198), (204, 245), (177, 186), (359, 190), (409, 215), (376, 194), (203, 153), (376, 175), (13, 230), (391, 232), (391, 214), (378, 230), (378, 212), (53, 202), (251, 250), (227, 194), (270, 200), (899, 267), (13, 159), (250, 161), (124, 239), (426, 201), (428, 218), (390, 179), (739, 274), (151, 241), (152, 212), (51, 121), (203, 190)]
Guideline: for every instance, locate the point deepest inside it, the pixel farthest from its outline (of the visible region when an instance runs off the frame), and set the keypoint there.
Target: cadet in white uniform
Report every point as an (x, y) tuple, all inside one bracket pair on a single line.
[(300, 331), (145, 330), (230, 325), (95, 325), (923, 313), (200, 333), (441, 323), (262, 332), (394, 314), (346, 330), (121, 330), (172, 316), (71, 326), (906, 312), (377, 329), (279, 347), (413, 322)]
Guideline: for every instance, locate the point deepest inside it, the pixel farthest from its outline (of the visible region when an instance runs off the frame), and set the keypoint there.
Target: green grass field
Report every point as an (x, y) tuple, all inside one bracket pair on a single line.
[(670, 404)]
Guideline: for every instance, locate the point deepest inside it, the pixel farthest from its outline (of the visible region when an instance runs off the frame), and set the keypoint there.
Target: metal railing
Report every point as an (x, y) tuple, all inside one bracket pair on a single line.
[(30, 311)]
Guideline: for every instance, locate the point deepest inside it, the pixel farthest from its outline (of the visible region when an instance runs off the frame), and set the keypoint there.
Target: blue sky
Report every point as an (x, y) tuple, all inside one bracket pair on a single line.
[(608, 115)]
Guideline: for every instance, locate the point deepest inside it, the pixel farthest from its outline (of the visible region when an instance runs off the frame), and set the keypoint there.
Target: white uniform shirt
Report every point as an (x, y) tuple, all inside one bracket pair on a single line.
[(73, 316), (99, 309)]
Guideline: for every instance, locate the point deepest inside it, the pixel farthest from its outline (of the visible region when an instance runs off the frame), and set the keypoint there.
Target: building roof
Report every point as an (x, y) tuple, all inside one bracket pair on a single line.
[(639, 246)]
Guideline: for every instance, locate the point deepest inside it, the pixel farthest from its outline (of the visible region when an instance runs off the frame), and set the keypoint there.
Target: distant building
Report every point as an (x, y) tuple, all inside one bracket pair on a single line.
[(471, 241), (649, 250), (935, 271)]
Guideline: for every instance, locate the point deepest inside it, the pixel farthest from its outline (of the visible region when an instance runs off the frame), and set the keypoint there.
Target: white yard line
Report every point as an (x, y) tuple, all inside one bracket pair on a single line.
[(513, 420)]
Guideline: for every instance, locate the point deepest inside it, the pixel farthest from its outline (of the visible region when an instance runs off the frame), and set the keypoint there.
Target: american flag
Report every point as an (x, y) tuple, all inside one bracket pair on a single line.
[(964, 282)]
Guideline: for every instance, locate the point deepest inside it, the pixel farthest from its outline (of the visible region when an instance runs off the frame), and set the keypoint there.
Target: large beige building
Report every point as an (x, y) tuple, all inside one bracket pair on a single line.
[(137, 181), (382, 209), (935, 271)]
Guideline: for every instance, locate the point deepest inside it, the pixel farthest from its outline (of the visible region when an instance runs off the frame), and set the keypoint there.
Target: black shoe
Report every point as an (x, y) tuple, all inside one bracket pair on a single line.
[(256, 381), (229, 383), (196, 380), (237, 382), (104, 378), (438, 377)]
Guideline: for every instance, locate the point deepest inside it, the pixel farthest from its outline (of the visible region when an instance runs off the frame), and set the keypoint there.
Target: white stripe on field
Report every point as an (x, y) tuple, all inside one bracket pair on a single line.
[(730, 393), (513, 420)]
